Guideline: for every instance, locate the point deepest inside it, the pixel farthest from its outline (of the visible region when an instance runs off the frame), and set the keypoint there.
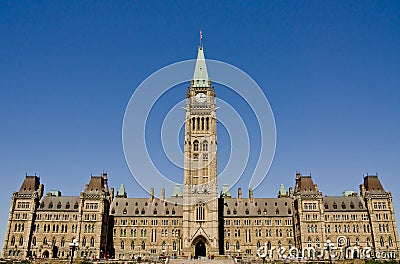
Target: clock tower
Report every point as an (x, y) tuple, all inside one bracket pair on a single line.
[(200, 209)]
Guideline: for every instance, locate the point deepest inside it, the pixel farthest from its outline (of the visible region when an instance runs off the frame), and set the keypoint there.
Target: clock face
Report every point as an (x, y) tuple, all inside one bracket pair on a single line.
[(200, 98)]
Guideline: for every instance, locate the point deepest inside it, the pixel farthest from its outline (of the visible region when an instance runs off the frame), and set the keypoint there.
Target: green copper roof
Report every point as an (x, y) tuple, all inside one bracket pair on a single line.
[(282, 190), (226, 191), (200, 76), (121, 190), (177, 191)]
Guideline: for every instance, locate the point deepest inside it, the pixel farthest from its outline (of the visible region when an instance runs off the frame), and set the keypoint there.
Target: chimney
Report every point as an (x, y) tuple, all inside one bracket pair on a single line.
[(251, 195), (240, 194), (151, 194), (162, 194)]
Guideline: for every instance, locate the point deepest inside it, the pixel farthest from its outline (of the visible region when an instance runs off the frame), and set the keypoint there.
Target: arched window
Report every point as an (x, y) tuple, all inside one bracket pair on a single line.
[(143, 245), (237, 245), (368, 242), (76, 205), (382, 242), (309, 242), (122, 245), (84, 242), (53, 242), (174, 246), (92, 242), (196, 145), (258, 244), (34, 241), (67, 206), (44, 241), (227, 245), (205, 145), (12, 241), (133, 245), (200, 212), (62, 242), (390, 242), (59, 205)]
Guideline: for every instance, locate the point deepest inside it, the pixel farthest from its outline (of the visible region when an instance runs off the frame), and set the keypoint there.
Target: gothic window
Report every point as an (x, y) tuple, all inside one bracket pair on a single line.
[(76, 205), (53, 242), (343, 205), (205, 157), (59, 205), (368, 242), (62, 242), (92, 242), (382, 242), (195, 156), (205, 172), (193, 124), (202, 123), (309, 242), (34, 241), (122, 245), (174, 246), (317, 242), (67, 206), (237, 245), (390, 242), (12, 241), (50, 205), (44, 241), (84, 242), (133, 245), (143, 245), (205, 145), (200, 212), (227, 245), (198, 123), (207, 123), (352, 205), (196, 145), (334, 206)]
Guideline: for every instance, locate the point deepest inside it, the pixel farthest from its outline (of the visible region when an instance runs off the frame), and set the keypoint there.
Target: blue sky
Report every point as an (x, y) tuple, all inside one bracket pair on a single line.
[(330, 70)]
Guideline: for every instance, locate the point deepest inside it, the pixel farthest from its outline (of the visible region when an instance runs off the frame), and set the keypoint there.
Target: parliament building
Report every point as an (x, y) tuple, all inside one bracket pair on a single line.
[(198, 219)]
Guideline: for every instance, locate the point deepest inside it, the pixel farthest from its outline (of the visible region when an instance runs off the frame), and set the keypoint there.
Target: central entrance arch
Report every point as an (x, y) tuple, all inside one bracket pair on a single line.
[(200, 249)]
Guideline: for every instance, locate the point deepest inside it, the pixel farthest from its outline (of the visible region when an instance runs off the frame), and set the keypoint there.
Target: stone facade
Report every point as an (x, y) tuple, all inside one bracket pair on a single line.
[(200, 220)]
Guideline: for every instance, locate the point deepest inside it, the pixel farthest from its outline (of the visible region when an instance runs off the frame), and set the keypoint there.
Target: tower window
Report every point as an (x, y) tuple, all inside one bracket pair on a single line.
[(196, 145), (200, 212), (205, 145)]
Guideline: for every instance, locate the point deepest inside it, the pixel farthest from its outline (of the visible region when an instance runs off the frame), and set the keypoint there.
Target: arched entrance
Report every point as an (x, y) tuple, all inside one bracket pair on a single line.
[(200, 249), (45, 254)]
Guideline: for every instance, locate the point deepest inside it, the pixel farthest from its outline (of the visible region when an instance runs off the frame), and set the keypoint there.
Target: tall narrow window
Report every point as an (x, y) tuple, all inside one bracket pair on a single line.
[(200, 212), (196, 145), (205, 145)]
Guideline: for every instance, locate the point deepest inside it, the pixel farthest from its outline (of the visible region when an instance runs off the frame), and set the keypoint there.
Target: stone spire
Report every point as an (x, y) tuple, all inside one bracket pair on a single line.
[(200, 76)]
